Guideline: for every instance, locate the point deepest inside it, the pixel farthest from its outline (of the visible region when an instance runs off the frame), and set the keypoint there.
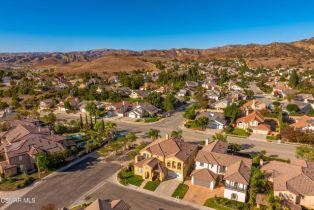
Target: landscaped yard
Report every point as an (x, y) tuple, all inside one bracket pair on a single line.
[(152, 119), (238, 132), (152, 185), (180, 191), (20, 181), (225, 204), (127, 177)]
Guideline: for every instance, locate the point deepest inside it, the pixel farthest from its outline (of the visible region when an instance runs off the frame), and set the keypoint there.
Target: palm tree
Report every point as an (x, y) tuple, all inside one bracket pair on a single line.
[(110, 127), (153, 133), (131, 137), (176, 134), (220, 137)]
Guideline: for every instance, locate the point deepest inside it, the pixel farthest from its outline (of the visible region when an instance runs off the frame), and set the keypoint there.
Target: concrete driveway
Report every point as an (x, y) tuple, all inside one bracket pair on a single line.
[(198, 194), (167, 187)]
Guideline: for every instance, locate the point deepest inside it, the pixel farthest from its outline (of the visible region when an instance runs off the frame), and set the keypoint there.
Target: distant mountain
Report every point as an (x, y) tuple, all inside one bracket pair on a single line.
[(299, 53)]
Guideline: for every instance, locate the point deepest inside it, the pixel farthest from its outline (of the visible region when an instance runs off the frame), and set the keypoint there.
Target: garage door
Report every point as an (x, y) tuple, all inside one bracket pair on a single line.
[(201, 183), (172, 174)]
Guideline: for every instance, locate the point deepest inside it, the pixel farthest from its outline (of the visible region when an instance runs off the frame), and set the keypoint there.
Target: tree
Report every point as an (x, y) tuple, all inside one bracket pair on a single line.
[(131, 138), (305, 152), (49, 118), (202, 100), (232, 111), (190, 113), (81, 122), (294, 79), (176, 134), (153, 133), (42, 160), (202, 122), (220, 137), (169, 102), (258, 184), (293, 108), (91, 108), (233, 148)]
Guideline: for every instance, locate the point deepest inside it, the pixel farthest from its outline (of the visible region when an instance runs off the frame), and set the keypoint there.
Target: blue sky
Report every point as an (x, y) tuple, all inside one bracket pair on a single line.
[(68, 25)]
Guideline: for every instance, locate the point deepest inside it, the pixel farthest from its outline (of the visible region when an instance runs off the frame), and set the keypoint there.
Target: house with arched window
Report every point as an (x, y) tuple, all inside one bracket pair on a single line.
[(165, 158)]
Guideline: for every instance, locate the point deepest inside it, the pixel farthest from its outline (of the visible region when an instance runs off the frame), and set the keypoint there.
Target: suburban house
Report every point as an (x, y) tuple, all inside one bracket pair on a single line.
[(281, 90), (138, 94), (255, 122), (165, 158), (216, 121), (254, 105), (220, 105), (100, 204), (118, 109), (304, 108), (292, 181), (145, 109), (20, 144), (45, 104), (304, 123), (213, 166)]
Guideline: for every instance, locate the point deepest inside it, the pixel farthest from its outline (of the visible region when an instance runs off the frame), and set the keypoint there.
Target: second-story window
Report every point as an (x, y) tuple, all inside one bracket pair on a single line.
[(179, 166), (168, 164), (173, 164)]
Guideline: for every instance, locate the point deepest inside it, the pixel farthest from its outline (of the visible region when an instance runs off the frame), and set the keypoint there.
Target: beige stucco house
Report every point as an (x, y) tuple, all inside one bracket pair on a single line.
[(165, 158)]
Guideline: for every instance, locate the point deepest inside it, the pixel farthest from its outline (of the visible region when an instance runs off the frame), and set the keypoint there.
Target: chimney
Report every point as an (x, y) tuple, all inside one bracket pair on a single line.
[(206, 141), (167, 136), (253, 105), (261, 162), (247, 111), (39, 129), (123, 103)]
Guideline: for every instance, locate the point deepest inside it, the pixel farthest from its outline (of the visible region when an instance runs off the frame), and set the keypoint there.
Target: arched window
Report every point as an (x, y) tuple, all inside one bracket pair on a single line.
[(179, 166), (168, 164), (234, 196), (173, 164)]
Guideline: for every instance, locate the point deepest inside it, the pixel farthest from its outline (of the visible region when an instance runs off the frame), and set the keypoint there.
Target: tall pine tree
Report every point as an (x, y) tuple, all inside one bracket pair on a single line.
[(294, 79)]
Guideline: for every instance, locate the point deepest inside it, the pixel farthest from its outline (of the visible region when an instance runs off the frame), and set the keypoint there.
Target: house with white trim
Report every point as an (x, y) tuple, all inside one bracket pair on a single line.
[(214, 165)]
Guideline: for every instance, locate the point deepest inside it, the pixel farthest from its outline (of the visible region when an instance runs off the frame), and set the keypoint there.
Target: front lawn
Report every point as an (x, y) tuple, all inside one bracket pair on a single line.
[(238, 132), (20, 181), (151, 119), (180, 191), (225, 204), (126, 176), (152, 185)]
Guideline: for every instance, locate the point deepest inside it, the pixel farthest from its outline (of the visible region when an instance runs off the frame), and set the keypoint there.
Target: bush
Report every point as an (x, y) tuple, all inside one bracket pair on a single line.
[(225, 204)]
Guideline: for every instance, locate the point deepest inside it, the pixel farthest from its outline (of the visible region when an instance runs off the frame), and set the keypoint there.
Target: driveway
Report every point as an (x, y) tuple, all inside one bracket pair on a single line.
[(258, 137), (167, 187), (198, 194)]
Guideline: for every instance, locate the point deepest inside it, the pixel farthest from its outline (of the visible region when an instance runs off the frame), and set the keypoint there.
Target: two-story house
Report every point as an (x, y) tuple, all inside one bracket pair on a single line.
[(213, 165), (165, 158), (255, 122)]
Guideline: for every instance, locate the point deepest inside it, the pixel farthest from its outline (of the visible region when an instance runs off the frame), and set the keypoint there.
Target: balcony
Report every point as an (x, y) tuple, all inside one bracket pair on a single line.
[(236, 188)]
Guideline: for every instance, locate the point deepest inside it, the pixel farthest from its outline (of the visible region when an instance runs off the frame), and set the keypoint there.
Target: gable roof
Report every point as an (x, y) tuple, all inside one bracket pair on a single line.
[(99, 204), (256, 115), (204, 174), (171, 148), (238, 172), (293, 177)]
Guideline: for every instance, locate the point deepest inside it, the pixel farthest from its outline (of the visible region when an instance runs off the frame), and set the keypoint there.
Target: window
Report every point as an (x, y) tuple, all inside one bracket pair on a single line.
[(234, 196), (140, 170), (173, 164), (201, 164), (179, 166), (20, 157), (168, 164)]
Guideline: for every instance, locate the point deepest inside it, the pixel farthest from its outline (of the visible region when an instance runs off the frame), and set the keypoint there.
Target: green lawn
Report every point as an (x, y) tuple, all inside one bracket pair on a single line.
[(128, 177), (135, 180), (180, 191), (239, 132), (225, 204), (20, 181), (152, 185), (152, 119)]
